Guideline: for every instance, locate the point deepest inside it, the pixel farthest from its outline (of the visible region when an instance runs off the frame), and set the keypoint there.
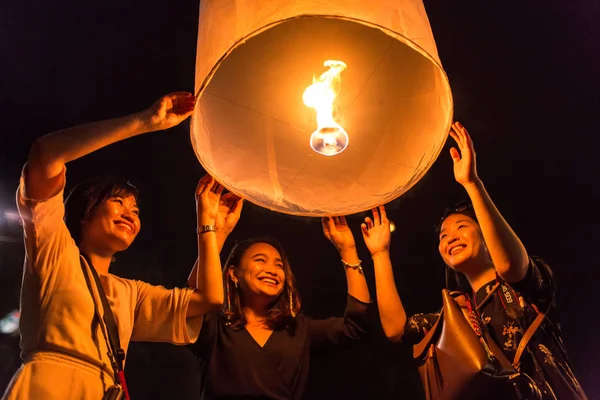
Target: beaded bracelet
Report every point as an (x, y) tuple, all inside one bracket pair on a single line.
[(357, 266)]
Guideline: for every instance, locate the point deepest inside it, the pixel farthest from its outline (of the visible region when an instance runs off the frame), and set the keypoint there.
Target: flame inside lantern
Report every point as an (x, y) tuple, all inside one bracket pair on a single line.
[(330, 138)]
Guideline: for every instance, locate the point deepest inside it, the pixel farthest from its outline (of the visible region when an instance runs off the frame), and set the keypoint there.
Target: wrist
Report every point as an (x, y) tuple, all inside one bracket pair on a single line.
[(357, 266), (202, 229), (349, 254), (222, 236), (206, 220), (385, 253), (222, 233), (475, 184), (346, 248), (143, 120)]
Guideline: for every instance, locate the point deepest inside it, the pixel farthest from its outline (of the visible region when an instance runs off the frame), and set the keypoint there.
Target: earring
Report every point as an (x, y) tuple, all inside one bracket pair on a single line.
[(235, 283), (292, 313), (228, 296)]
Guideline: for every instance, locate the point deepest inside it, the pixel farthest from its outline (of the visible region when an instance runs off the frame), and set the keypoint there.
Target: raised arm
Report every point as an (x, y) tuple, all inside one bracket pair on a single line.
[(337, 231), (206, 277), (228, 215), (506, 250), (50, 153), (377, 236)]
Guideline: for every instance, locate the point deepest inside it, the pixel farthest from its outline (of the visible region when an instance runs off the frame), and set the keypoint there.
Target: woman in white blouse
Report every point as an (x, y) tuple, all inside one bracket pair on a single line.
[(64, 345)]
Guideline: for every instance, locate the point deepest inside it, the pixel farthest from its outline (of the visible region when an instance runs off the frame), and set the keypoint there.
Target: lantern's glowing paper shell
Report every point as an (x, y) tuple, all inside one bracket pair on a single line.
[(251, 130)]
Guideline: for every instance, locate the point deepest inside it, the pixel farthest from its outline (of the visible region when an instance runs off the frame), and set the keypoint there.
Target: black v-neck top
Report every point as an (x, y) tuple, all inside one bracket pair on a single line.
[(234, 366)]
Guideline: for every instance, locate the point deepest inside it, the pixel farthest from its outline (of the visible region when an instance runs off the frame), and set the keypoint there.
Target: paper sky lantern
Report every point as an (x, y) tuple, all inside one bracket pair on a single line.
[(318, 107)]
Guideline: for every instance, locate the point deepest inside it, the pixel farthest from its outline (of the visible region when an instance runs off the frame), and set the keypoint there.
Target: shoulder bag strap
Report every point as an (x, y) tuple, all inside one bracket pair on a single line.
[(528, 333), (117, 355), (541, 315), (527, 337), (488, 297)]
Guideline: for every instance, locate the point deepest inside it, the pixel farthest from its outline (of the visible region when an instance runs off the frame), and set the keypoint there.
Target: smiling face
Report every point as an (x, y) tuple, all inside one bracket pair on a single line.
[(461, 244), (260, 273), (113, 225)]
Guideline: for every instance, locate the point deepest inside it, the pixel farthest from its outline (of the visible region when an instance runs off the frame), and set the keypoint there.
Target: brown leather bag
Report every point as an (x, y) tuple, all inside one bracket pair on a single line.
[(455, 363)]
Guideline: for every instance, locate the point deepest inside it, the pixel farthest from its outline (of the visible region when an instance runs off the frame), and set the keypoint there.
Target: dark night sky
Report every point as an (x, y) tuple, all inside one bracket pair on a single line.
[(525, 83)]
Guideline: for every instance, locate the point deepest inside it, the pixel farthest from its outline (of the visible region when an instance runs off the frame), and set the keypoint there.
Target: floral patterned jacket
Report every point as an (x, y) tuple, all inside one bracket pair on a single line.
[(546, 358)]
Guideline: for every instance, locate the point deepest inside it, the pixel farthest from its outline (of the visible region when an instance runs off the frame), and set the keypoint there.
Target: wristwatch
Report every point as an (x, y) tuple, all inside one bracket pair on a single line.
[(205, 228)]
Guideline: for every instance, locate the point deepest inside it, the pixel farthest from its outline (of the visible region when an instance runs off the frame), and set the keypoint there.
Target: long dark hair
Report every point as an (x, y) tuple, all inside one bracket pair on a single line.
[(88, 195), (456, 280), (282, 311)]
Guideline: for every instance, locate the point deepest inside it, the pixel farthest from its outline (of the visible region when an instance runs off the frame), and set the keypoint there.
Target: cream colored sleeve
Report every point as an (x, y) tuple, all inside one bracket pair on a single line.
[(160, 315), (46, 235)]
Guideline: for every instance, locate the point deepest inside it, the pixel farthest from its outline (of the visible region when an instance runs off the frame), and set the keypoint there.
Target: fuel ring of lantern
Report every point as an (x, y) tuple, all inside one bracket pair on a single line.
[(318, 108)]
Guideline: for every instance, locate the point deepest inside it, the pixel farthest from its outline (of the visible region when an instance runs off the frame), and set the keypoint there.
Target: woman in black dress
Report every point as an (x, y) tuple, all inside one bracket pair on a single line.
[(480, 249), (259, 345)]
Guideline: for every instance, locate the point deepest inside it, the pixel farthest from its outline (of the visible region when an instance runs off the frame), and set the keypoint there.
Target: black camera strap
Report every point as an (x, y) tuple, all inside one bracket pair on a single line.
[(115, 353)]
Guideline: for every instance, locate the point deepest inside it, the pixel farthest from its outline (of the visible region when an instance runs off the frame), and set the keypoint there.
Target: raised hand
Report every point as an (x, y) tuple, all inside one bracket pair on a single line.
[(465, 166), (169, 111), (208, 195), (337, 231), (376, 232), (228, 213)]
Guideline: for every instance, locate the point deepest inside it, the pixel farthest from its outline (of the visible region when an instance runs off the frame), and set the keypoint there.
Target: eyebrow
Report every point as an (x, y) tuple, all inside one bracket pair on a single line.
[(120, 196), (457, 222), (264, 255)]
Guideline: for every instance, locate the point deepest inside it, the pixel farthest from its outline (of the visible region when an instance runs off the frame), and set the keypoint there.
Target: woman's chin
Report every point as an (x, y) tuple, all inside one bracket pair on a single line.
[(272, 294)]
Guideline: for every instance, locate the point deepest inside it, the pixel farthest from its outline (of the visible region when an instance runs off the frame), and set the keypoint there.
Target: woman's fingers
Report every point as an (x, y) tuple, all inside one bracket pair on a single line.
[(218, 189), (461, 133), (383, 214), (203, 183), (454, 154), (376, 217), (239, 203), (454, 135), (363, 228)]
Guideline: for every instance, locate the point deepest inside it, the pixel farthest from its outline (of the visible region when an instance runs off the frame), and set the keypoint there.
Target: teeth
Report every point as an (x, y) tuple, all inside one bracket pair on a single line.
[(271, 281), (456, 249), (124, 225)]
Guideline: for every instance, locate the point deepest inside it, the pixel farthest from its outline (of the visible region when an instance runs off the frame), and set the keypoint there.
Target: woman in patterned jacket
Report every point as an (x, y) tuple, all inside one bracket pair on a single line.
[(480, 249)]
